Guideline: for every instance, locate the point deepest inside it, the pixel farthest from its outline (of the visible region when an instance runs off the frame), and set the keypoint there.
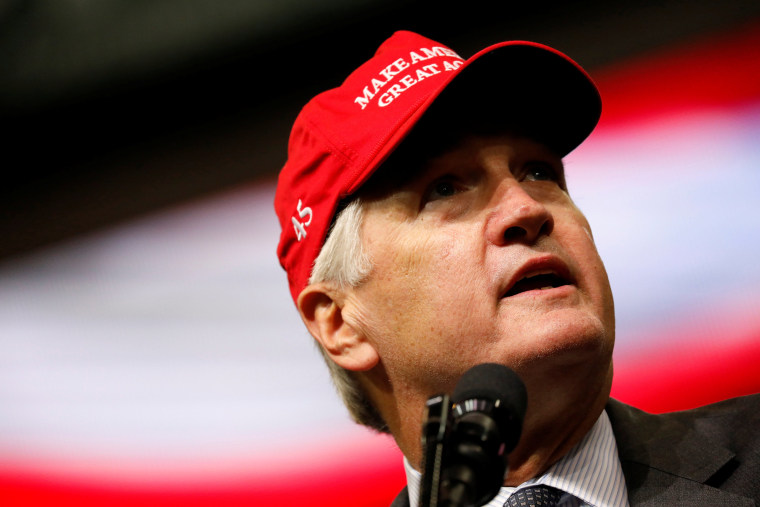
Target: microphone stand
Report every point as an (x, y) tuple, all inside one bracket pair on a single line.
[(433, 440)]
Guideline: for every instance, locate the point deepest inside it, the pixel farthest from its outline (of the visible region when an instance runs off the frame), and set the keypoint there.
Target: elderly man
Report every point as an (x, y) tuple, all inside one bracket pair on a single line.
[(427, 228)]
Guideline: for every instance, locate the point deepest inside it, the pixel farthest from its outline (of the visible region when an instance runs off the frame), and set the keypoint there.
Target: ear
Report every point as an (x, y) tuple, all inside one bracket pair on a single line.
[(322, 309)]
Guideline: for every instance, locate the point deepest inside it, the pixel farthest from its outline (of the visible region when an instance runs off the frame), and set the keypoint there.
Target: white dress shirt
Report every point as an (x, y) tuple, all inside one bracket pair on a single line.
[(591, 472)]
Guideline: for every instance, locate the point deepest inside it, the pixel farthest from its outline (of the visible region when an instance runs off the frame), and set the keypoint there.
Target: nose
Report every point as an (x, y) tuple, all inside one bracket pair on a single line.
[(518, 218)]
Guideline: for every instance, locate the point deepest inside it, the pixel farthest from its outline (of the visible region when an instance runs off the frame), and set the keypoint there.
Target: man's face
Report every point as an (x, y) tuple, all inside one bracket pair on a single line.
[(481, 256)]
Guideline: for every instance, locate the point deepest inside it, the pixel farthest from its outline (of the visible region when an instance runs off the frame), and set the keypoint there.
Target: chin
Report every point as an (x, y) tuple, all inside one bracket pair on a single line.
[(580, 339)]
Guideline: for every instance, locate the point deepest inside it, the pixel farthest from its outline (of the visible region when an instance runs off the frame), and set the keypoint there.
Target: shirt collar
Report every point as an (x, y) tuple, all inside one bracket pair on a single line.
[(591, 471)]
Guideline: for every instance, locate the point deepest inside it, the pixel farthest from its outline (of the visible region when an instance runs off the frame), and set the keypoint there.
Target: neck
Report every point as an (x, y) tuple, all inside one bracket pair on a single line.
[(549, 434), (556, 420)]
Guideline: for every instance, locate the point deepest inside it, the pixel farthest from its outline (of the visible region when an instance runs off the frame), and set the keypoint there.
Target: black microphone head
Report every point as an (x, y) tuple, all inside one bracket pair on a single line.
[(488, 412), (501, 385)]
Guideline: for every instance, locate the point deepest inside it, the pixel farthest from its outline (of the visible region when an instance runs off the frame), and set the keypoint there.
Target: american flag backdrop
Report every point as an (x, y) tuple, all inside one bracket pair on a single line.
[(162, 362)]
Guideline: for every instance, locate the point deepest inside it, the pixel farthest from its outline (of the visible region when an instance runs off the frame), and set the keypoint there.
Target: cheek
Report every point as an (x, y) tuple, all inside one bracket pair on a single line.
[(579, 237), (582, 248), (423, 259), (422, 281)]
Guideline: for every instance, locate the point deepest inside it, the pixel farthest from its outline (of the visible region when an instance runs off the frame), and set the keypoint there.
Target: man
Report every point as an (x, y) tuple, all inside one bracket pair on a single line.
[(427, 228)]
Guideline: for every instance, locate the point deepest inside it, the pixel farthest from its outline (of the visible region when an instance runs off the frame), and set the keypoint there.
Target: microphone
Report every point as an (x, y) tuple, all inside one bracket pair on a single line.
[(489, 403)]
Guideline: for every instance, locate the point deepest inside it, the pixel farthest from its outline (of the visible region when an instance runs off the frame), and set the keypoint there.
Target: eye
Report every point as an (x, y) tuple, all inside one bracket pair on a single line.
[(540, 171), (443, 187)]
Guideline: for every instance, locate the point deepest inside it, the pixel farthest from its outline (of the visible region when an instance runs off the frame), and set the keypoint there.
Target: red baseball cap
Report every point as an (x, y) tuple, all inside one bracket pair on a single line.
[(344, 134)]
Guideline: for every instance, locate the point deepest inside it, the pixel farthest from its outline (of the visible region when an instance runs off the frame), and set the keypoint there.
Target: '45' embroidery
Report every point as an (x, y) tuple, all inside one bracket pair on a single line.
[(300, 227)]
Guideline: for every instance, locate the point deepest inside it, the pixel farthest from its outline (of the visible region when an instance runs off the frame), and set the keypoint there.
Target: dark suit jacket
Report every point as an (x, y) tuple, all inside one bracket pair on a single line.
[(708, 456)]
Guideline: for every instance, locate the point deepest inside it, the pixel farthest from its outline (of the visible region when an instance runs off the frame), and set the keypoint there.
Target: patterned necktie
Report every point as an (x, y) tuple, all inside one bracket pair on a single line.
[(536, 496)]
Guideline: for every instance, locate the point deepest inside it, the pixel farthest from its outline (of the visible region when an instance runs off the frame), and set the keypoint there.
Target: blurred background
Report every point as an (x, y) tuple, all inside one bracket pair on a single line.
[(149, 349)]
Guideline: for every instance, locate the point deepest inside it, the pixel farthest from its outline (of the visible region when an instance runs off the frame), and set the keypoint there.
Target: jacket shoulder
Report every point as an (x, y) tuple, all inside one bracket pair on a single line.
[(733, 423)]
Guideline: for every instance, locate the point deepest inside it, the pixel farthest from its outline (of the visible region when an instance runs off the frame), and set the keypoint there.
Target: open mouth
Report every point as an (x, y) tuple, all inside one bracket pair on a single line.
[(537, 282)]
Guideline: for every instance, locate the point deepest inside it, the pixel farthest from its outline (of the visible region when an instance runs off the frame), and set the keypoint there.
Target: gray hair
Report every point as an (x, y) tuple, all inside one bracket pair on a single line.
[(343, 260)]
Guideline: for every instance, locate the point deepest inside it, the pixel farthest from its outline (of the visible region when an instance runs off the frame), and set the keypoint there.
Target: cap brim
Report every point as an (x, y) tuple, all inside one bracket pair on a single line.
[(516, 86), (525, 87)]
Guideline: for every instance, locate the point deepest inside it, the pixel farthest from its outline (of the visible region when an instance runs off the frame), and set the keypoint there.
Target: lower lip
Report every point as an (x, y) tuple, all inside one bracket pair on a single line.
[(555, 292)]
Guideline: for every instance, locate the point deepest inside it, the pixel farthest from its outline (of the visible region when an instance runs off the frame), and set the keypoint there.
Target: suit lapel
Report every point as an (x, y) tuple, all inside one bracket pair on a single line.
[(402, 499), (666, 463), (652, 487)]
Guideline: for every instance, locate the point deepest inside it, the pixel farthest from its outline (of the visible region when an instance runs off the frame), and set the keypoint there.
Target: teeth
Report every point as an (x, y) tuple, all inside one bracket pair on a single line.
[(547, 287)]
